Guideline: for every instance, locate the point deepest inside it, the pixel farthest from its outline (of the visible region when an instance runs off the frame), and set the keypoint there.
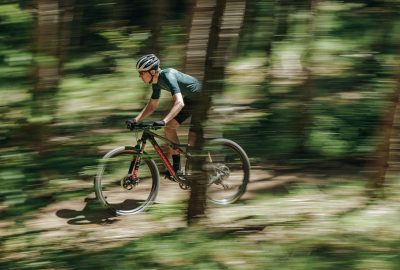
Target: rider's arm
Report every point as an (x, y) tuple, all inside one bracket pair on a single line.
[(176, 108), (148, 109)]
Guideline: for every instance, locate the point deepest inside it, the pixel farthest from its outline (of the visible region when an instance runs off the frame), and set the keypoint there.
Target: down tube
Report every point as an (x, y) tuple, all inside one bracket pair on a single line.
[(163, 157)]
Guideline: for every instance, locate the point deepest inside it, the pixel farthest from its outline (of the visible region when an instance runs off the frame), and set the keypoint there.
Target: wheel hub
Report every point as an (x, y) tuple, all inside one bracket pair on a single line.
[(129, 182)]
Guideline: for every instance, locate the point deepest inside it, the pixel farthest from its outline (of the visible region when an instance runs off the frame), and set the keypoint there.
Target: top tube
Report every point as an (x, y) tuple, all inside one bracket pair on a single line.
[(149, 126), (144, 126)]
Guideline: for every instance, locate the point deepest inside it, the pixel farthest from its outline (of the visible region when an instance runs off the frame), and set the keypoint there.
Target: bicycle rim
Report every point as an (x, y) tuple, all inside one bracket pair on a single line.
[(110, 177), (228, 170)]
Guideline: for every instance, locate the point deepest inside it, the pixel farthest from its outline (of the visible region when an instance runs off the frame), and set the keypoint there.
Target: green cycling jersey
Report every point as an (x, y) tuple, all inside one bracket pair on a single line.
[(175, 82)]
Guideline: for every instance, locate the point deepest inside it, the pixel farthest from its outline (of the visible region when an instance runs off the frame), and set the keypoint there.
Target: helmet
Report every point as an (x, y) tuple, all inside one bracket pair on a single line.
[(147, 62)]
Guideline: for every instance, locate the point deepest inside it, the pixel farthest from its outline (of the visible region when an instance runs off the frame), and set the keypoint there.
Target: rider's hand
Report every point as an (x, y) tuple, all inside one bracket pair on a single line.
[(130, 124), (160, 123)]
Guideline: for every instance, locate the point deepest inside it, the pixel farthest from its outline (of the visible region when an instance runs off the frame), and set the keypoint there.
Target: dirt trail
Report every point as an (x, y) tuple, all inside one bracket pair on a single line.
[(80, 222)]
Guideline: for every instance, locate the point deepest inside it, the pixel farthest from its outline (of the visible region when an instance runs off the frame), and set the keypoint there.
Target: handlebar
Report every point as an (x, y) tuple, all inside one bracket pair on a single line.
[(141, 126)]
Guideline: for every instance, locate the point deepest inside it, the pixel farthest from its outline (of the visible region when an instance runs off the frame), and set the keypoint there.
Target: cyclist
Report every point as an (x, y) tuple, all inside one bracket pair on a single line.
[(185, 91)]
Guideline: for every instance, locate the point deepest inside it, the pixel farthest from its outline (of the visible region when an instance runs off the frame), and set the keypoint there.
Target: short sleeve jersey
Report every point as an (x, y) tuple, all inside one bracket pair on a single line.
[(175, 82)]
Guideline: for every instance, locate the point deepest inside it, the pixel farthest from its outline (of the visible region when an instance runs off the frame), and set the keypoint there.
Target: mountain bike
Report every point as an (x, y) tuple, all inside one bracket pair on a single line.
[(128, 179)]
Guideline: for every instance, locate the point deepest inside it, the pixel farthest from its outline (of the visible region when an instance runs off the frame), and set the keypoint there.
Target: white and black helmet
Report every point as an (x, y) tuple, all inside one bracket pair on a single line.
[(147, 62)]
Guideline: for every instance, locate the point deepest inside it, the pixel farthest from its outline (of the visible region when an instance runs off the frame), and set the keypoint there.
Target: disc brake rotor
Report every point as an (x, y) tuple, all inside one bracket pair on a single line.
[(128, 182)]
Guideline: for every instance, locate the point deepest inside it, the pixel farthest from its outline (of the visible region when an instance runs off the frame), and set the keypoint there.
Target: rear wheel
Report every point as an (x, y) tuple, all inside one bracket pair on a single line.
[(116, 188), (228, 170)]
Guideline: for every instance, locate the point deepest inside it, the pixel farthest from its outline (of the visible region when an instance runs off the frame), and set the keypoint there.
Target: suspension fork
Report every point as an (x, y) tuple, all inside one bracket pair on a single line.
[(135, 163)]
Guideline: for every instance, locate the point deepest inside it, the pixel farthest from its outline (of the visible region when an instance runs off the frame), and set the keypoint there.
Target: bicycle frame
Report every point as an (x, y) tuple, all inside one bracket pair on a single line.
[(141, 144), (229, 160)]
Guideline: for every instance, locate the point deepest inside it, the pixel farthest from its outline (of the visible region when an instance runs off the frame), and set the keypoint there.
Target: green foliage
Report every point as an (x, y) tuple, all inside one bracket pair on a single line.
[(305, 85), (15, 52), (335, 109)]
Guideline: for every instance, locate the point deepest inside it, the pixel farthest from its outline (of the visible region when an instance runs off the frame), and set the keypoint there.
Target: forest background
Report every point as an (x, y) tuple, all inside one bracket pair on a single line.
[(310, 89)]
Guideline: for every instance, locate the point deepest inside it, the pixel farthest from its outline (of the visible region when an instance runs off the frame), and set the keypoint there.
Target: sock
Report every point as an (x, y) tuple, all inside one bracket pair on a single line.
[(176, 162)]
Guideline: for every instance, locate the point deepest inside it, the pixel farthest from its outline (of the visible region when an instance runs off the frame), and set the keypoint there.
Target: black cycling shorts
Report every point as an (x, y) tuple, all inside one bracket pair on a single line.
[(186, 112)]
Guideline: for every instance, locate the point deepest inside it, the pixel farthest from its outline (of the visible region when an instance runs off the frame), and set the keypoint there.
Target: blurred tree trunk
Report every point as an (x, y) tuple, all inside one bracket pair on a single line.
[(51, 40), (281, 20), (279, 33), (120, 13), (249, 23), (67, 13), (77, 30), (389, 148), (306, 89), (203, 37), (388, 130), (198, 39), (47, 67), (212, 39), (159, 11)]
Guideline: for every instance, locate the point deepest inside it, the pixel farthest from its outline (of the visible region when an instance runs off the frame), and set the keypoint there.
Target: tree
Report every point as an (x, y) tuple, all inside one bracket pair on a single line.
[(206, 59), (52, 35), (47, 68), (306, 88), (389, 147)]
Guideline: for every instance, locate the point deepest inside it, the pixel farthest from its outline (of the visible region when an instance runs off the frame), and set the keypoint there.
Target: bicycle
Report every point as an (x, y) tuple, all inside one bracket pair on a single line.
[(128, 179)]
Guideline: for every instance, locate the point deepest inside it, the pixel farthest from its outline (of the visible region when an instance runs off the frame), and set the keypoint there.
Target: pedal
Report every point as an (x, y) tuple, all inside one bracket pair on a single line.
[(168, 176)]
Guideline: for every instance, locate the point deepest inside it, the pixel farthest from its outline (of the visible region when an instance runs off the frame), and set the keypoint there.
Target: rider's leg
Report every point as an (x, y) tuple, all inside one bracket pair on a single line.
[(172, 135), (171, 132)]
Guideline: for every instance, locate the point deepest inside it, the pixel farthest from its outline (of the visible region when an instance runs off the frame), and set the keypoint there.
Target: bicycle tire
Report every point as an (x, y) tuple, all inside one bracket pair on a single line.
[(226, 158), (109, 190)]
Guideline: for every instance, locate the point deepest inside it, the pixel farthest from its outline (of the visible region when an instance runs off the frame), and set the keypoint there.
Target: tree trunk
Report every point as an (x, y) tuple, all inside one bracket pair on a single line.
[(211, 41), (306, 89), (389, 147), (279, 29), (159, 10), (202, 38), (51, 42), (198, 39), (52, 39), (47, 68), (67, 11), (279, 34)]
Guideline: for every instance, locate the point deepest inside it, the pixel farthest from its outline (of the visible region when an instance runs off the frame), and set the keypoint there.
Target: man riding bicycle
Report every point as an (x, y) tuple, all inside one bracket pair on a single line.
[(185, 91)]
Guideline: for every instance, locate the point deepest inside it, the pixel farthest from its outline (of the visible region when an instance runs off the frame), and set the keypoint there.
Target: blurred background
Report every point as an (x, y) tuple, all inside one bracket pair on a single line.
[(309, 88)]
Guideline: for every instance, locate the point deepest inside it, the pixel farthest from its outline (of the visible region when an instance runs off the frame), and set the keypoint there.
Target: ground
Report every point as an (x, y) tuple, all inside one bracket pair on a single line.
[(307, 211)]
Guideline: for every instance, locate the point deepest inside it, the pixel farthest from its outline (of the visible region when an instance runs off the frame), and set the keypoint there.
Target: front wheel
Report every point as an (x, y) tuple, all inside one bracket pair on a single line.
[(116, 187)]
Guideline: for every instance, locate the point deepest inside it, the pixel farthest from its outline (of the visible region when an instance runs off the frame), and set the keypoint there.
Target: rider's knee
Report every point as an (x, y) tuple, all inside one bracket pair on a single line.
[(172, 125)]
